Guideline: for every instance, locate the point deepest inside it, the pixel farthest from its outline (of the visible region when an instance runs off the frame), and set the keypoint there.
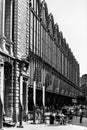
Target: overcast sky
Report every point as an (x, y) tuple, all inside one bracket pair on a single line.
[(71, 16)]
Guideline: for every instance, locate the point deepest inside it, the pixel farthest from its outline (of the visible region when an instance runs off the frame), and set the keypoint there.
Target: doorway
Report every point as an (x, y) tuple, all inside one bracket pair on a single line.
[(7, 88)]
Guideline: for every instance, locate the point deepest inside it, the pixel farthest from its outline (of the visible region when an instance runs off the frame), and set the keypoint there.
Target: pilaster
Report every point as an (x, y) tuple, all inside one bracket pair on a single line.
[(2, 25), (16, 92), (11, 21)]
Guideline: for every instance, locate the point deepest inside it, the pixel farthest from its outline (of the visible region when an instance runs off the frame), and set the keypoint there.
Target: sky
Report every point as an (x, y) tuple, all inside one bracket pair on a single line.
[(71, 16)]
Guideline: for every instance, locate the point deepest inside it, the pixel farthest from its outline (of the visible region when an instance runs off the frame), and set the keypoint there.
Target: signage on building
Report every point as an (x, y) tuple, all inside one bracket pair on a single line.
[(74, 101)]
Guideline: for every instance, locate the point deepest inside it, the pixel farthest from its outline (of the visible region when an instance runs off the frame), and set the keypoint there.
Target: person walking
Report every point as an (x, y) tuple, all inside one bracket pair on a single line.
[(81, 114)]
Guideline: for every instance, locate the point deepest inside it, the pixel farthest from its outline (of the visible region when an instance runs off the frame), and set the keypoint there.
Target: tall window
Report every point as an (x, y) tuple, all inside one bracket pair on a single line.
[(66, 66), (35, 42), (47, 48), (31, 32), (51, 50), (37, 9), (37, 37), (35, 1), (62, 63), (9, 18), (41, 41)]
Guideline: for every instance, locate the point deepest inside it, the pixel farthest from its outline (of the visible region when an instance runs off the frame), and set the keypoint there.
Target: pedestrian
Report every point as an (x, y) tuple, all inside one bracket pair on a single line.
[(51, 118), (81, 114), (57, 118), (76, 111)]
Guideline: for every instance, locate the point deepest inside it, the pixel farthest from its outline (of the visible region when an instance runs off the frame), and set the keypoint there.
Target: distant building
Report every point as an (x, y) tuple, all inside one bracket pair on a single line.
[(32, 48), (83, 84)]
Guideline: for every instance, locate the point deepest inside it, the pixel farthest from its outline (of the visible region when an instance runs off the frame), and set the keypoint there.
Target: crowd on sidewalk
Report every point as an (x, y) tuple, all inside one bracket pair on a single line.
[(60, 115)]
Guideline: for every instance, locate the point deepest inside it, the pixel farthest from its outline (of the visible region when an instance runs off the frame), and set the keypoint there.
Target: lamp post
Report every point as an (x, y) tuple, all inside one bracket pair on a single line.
[(1, 91)]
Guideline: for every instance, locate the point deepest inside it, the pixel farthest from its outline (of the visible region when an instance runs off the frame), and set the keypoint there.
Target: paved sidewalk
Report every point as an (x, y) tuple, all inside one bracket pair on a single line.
[(28, 126)]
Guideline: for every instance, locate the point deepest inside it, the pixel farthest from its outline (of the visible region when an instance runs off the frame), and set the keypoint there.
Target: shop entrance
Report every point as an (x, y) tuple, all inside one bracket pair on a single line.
[(8, 97), (25, 97)]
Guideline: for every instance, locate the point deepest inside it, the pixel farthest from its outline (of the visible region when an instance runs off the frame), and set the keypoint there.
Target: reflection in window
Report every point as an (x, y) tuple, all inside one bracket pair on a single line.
[(35, 5), (32, 2)]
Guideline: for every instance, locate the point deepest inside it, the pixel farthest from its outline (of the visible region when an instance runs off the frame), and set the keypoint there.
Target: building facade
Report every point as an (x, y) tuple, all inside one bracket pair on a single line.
[(33, 49)]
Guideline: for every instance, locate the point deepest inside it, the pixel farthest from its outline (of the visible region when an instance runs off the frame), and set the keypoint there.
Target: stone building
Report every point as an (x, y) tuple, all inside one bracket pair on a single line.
[(32, 48), (83, 85)]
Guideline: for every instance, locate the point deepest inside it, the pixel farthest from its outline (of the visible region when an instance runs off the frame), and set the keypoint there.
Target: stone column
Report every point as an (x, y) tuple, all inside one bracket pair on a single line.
[(34, 100), (11, 12), (43, 95), (27, 98), (21, 102), (16, 91), (43, 102), (1, 91), (2, 24), (12, 91)]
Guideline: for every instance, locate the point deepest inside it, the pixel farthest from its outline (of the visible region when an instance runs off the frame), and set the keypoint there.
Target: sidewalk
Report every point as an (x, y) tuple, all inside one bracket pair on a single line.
[(75, 121), (28, 126)]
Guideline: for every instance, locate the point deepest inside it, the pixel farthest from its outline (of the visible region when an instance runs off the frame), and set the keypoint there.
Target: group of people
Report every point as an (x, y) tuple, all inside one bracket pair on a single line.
[(65, 115), (61, 115), (60, 118)]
